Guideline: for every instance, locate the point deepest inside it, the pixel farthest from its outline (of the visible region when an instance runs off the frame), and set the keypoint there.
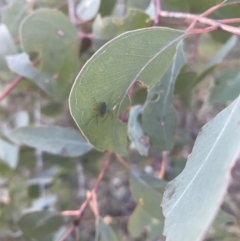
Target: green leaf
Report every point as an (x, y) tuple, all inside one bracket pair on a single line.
[(87, 9), (53, 139), (107, 28), (135, 132), (104, 232), (40, 223), (227, 87), (218, 58), (141, 220), (147, 191), (141, 55), (189, 6), (7, 47), (139, 4), (106, 7), (9, 154), (21, 119), (21, 65), (13, 15), (51, 35), (183, 82), (158, 117), (192, 200)]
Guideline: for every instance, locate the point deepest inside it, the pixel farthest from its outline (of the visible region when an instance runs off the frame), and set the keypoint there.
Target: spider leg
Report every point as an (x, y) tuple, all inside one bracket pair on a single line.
[(86, 124)]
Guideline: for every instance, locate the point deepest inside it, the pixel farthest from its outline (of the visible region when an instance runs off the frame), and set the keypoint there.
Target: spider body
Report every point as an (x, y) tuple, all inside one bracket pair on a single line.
[(102, 110)]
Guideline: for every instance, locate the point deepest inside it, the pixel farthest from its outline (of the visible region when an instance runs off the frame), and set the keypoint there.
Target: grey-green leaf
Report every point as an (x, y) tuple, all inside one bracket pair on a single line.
[(147, 191), (158, 117), (104, 232), (51, 35), (21, 65), (192, 200), (7, 47), (14, 14), (227, 87), (53, 139), (218, 58), (143, 55), (9, 153), (40, 223), (87, 9), (135, 131)]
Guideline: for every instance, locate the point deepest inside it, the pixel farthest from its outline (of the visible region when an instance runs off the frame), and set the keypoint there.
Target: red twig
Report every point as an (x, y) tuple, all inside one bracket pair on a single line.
[(94, 205), (214, 23), (122, 161), (9, 87), (163, 165), (15, 81), (158, 11), (206, 13), (89, 198), (229, 20)]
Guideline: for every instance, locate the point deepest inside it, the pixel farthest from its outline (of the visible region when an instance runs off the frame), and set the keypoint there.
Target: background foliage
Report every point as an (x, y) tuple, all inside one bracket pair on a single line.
[(169, 92)]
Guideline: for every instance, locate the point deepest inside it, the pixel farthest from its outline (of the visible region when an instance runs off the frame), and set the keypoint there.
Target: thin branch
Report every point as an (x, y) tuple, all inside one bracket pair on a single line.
[(89, 198), (163, 165), (122, 161), (94, 205), (206, 13), (71, 11), (229, 20), (214, 23), (15, 81), (68, 232), (158, 12), (9, 87)]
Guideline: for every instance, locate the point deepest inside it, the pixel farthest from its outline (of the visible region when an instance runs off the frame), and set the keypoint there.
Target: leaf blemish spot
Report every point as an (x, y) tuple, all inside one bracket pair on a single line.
[(60, 32)]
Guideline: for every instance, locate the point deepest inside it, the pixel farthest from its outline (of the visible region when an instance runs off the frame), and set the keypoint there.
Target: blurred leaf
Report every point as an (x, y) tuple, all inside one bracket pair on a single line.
[(218, 58), (159, 118), (223, 218), (227, 87), (40, 181), (21, 65), (40, 223), (21, 119), (107, 28), (106, 7), (52, 109), (51, 35), (13, 15), (141, 55), (135, 131), (47, 202), (7, 47), (9, 153), (87, 9), (104, 232), (192, 199), (151, 10), (147, 191), (218, 230), (139, 4), (141, 220), (190, 6), (53, 139), (183, 82)]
